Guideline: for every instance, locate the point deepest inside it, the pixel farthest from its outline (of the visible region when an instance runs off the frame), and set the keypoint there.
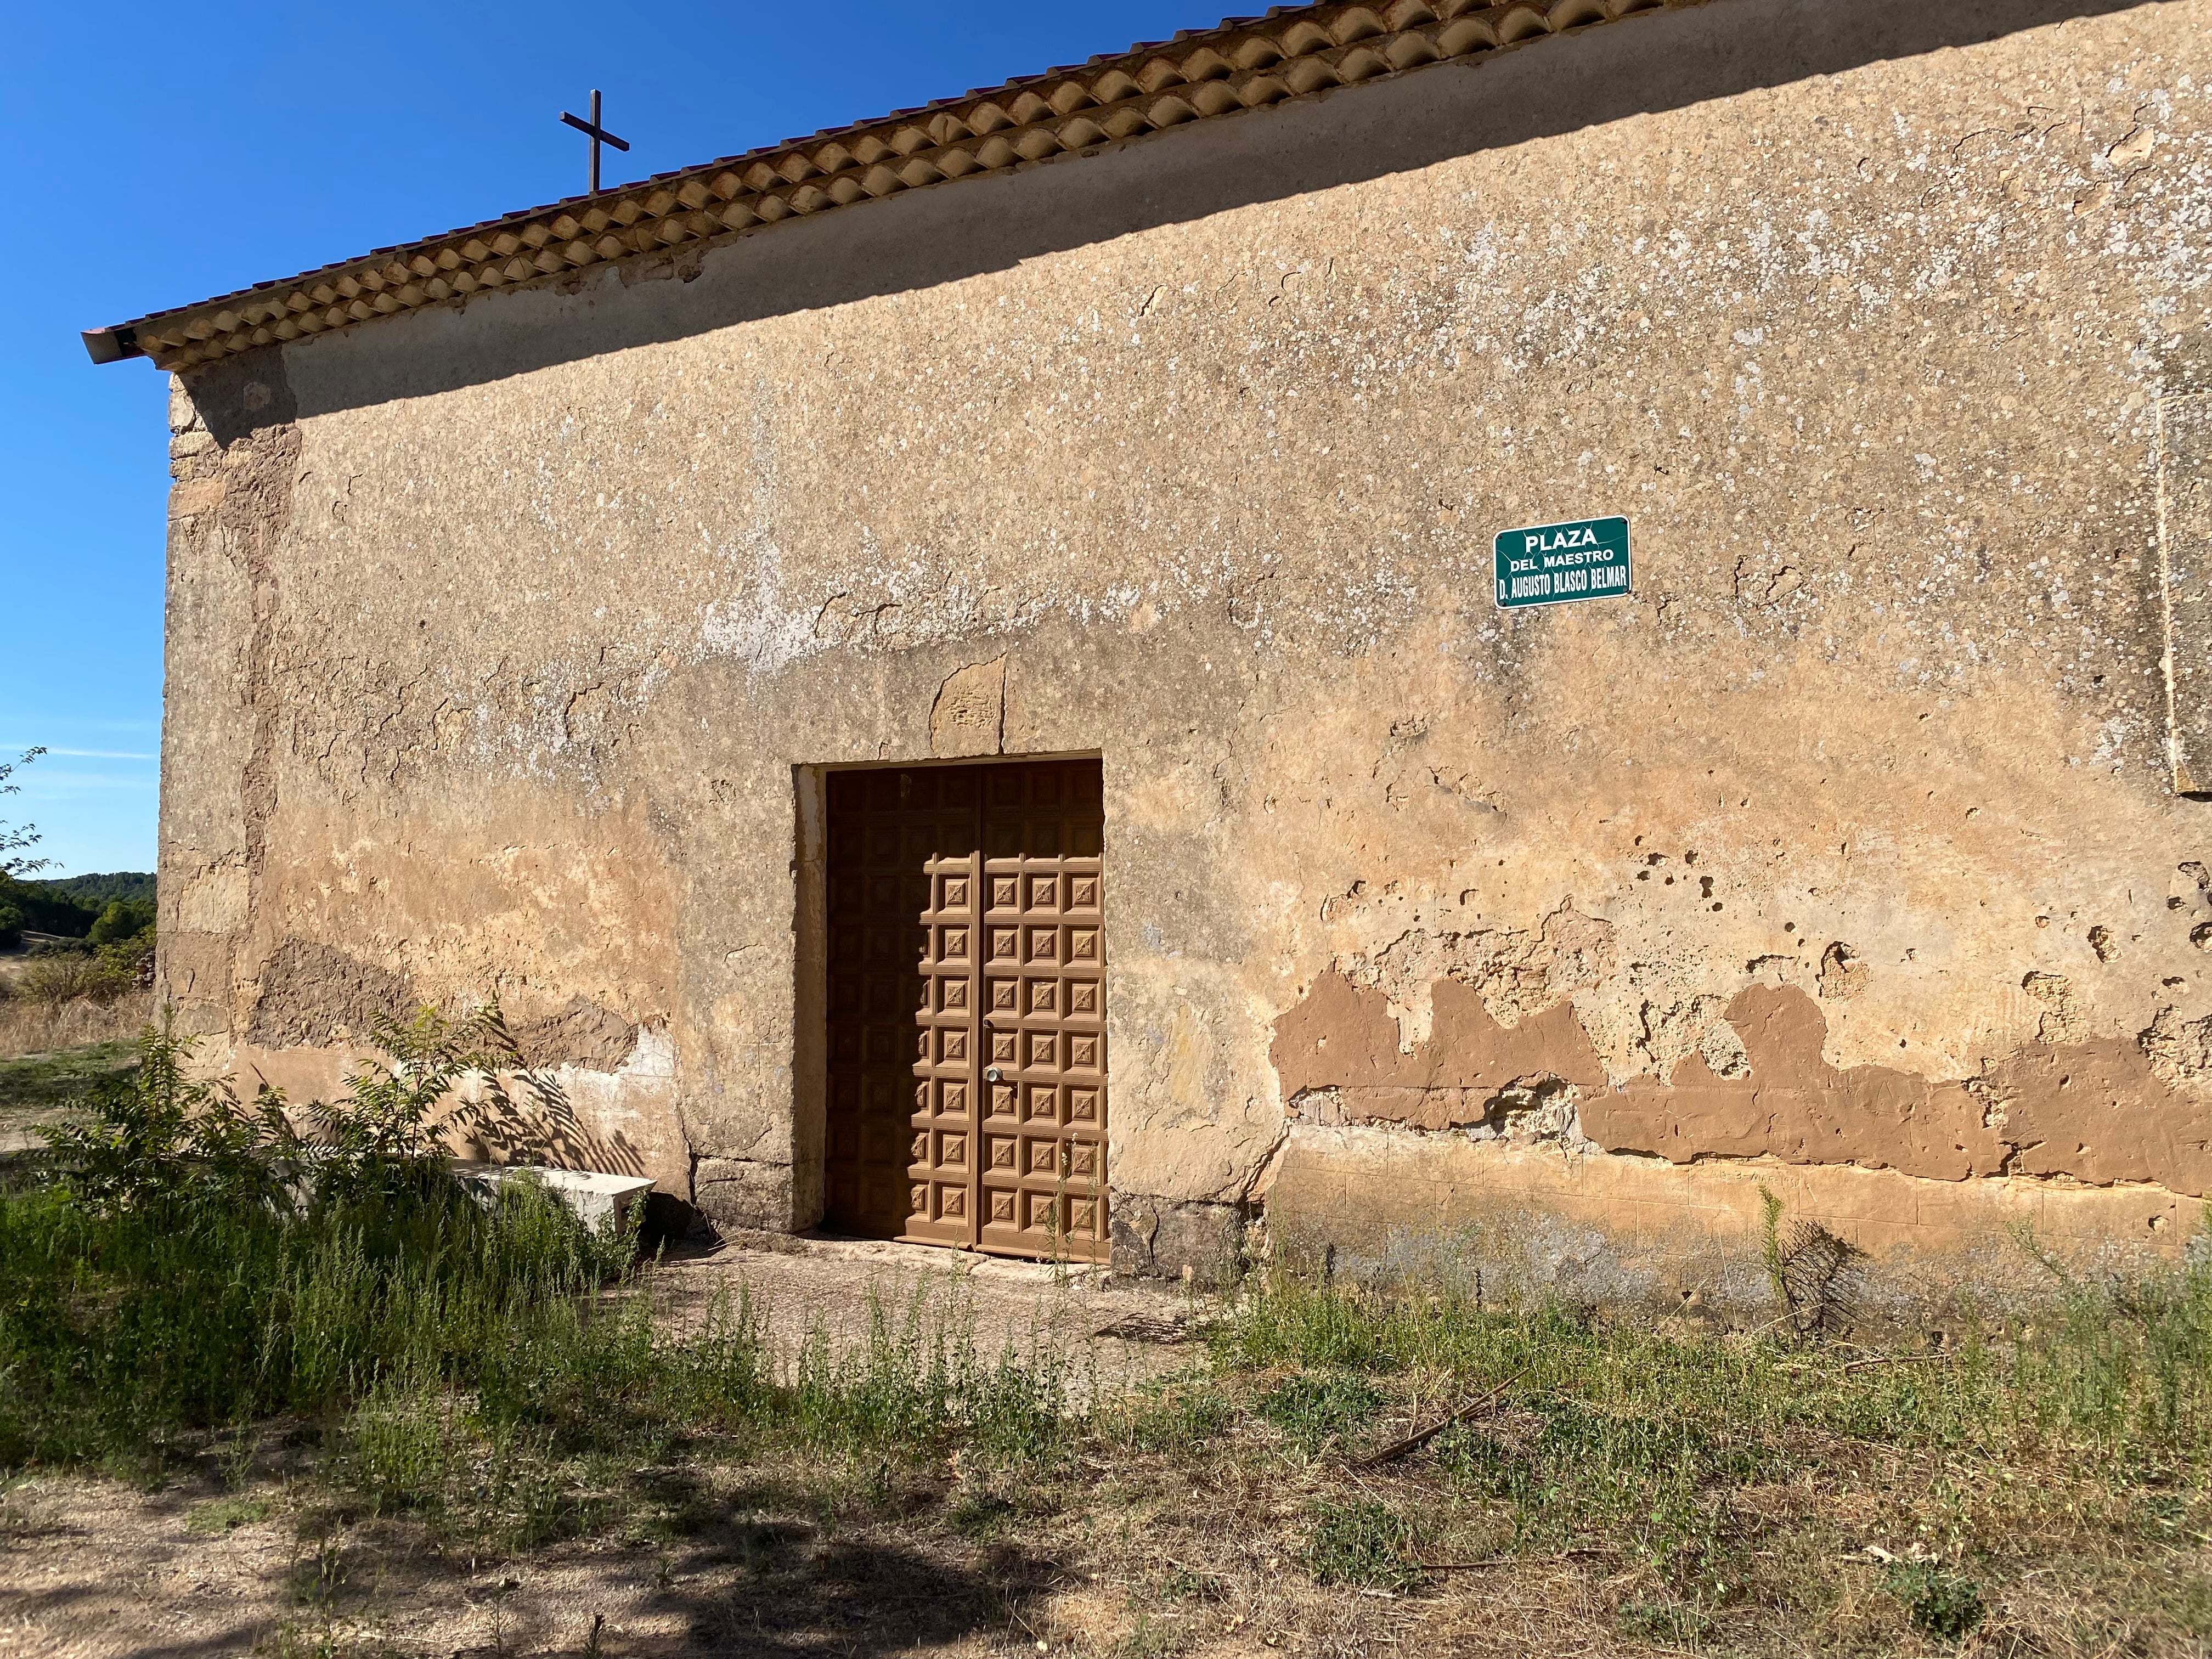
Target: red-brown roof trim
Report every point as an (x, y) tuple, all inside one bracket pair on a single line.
[(1201, 74)]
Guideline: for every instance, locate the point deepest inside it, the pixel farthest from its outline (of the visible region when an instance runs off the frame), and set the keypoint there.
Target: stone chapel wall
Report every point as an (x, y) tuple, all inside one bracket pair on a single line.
[(1855, 853)]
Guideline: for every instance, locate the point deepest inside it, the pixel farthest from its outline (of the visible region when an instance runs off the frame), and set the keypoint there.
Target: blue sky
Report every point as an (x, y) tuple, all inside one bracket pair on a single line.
[(159, 156)]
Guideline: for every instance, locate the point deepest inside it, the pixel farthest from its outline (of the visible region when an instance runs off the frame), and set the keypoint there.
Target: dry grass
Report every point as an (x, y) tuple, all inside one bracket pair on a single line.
[(1628, 1493), (50, 1053), (1340, 1474), (29, 1027)]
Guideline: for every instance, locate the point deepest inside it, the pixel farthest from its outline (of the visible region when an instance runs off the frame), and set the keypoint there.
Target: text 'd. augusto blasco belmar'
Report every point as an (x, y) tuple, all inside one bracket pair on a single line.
[(1553, 563)]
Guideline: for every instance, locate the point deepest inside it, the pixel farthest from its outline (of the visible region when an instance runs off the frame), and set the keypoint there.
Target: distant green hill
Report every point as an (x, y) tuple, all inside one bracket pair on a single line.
[(68, 905), (96, 893)]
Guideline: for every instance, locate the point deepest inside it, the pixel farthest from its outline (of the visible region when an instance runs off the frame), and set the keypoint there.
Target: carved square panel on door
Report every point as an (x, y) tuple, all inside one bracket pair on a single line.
[(967, 1043)]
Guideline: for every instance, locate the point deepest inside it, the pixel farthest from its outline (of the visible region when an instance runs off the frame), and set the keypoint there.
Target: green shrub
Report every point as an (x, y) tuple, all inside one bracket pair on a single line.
[(158, 1138), (199, 1265), (1313, 1410), (202, 1264), (1941, 1603), (1361, 1543), (75, 975), (122, 920)]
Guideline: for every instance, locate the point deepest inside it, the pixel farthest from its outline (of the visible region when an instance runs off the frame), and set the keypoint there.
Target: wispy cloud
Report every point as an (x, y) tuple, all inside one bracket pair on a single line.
[(55, 786), (82, 754)]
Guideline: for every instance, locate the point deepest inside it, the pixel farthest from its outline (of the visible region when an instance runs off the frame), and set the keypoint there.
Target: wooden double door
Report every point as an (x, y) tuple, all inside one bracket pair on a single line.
[(967, 1007)]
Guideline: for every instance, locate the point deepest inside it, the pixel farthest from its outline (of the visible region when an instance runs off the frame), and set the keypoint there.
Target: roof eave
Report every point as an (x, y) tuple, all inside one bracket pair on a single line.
[(1244, 63), (111, 345)]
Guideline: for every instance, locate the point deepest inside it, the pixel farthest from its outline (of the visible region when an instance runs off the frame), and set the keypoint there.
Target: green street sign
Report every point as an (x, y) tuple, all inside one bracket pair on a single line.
[(1555, 564)]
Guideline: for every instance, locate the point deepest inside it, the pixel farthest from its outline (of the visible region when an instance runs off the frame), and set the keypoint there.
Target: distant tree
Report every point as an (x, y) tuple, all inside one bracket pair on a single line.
[(13, 837), (13, 863), (126, 919), (96, 892)]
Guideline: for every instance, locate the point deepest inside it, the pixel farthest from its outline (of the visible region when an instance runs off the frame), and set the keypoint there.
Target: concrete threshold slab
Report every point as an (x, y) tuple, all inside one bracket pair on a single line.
[(1112, 1332), (894, 1253), (595, 1197)]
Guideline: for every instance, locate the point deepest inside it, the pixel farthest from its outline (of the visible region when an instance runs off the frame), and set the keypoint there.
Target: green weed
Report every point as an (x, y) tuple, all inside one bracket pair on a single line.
[(982, 1515), (1361, 1542), (1620, 1439), (2115, 1375), (914, 1385), (1941, 1603), (1181, 1417), (1583, 1474), (1183, 1584), (402, 1446), (221, 1515), (1676, 1624), (1313, 1410)]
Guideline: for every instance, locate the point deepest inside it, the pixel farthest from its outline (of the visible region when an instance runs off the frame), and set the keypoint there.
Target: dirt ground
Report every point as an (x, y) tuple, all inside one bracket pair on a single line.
[(94, 1570), (92, 1567), (98, 1570), (1112, 1332), (1120, 1548)]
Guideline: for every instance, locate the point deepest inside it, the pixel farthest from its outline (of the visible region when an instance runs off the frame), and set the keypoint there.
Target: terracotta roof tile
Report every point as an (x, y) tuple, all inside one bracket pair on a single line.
[(1242, 63)]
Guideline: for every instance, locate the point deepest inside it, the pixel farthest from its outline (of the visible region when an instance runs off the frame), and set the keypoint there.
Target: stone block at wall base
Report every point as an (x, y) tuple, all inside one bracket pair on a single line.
[(1399, 1211), (1161, 1238), (602, 1202), (744, 1193)]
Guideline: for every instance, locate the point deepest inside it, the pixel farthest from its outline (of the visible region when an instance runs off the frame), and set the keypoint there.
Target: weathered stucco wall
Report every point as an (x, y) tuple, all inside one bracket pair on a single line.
[(1851, 840)]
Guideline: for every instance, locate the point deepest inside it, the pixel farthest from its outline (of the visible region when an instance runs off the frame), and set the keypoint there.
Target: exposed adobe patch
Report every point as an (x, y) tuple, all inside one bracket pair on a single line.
[(2098, 1111), (1342, 1036), (2101, 1112), (312, 994), (1793, 1105), (2095, 1111), (583, 1034)]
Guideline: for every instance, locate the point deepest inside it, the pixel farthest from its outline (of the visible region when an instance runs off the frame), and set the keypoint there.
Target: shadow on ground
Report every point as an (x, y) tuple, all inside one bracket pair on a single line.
[(778, 1592), (747, 1579), (91, 1568)]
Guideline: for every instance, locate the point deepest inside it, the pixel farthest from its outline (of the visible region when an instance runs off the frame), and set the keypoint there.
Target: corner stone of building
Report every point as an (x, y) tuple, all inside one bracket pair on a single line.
[(744, 1193), (1165, 1238)]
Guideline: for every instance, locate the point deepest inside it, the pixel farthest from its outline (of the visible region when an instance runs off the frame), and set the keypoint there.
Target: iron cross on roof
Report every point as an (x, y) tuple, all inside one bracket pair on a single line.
[(597, 134)]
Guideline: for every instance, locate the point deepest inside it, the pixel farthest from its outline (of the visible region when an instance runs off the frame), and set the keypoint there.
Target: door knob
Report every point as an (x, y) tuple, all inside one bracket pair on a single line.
[(994, 1074)]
